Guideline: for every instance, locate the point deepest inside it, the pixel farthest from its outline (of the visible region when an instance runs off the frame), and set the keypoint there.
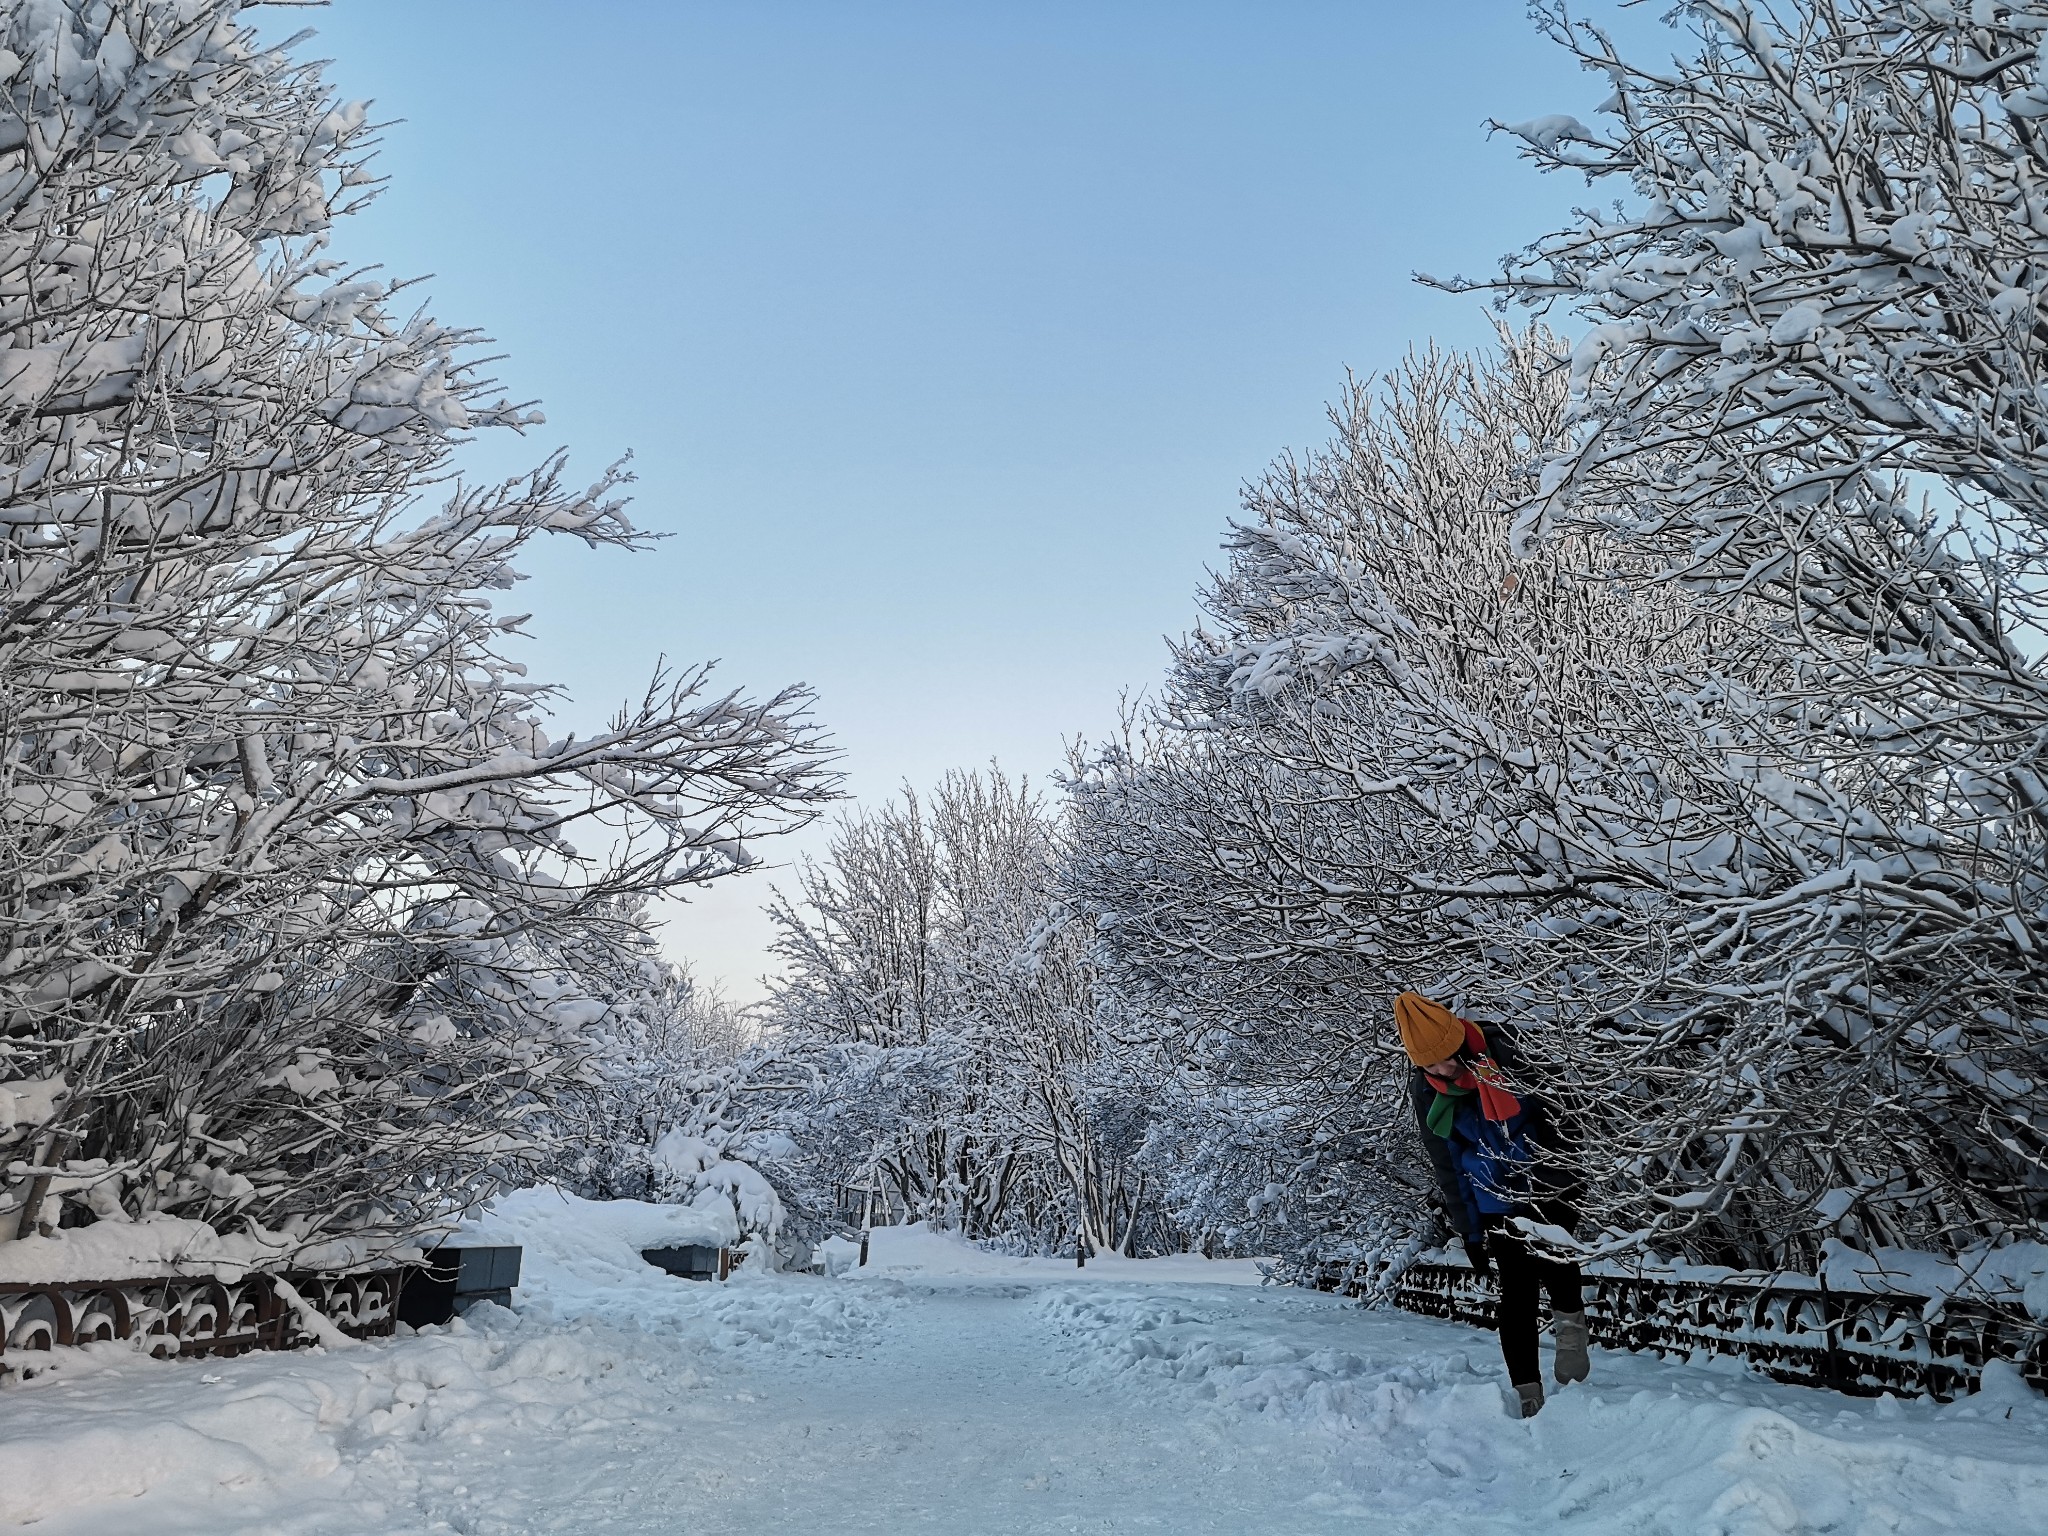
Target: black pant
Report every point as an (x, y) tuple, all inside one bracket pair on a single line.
[(1521, 1274)]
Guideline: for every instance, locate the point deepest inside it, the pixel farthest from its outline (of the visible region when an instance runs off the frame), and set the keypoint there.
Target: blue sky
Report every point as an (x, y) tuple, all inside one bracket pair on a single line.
[(943, 335)]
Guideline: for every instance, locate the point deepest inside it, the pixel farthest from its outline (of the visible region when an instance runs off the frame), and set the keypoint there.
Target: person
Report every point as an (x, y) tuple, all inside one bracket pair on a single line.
[(1486, 1139)]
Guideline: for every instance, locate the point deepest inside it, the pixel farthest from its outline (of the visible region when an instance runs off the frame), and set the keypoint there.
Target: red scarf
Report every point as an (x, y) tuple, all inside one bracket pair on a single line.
[(1483, 1075)]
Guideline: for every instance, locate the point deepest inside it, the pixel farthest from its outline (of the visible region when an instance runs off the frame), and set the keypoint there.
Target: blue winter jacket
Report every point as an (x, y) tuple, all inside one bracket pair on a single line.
[(1484, 1167)]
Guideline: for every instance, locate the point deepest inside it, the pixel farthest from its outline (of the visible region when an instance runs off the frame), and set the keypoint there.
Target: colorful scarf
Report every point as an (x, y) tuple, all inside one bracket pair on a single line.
[(1482, 1075)]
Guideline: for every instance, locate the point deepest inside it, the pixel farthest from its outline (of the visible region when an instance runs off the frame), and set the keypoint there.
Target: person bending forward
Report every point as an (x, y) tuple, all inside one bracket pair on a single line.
[(1485, 1139)]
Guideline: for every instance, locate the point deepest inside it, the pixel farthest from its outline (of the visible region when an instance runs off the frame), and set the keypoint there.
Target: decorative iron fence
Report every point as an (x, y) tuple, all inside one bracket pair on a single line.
[(193, 1315), (1791, 1328)]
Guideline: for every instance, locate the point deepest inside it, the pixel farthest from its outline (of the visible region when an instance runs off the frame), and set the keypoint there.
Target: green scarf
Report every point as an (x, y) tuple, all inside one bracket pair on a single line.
[(1445, 1110)]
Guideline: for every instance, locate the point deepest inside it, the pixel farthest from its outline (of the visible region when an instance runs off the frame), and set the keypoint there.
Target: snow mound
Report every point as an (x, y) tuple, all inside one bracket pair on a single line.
[(581, 1255), (581, 1261), (190, 1429), (921, 1249), (1659, 1460), (1214, 1355)]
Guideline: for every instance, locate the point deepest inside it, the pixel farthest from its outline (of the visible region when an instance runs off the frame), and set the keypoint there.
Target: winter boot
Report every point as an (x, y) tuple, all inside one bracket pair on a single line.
[(1531, 1394), (1572, 1363)]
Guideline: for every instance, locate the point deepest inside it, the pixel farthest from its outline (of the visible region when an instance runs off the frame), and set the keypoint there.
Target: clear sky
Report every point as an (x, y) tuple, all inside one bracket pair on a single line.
[(943, 334)]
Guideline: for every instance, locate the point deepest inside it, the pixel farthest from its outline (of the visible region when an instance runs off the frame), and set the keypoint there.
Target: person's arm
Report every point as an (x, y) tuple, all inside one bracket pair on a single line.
[(1464, 1216)]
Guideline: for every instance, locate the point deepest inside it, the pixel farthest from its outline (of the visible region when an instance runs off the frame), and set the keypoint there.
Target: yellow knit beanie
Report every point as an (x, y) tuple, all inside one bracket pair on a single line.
[(1430, 1032)]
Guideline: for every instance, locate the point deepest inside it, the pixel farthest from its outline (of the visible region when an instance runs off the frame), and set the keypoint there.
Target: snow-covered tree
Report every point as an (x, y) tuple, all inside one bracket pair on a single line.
[(1810, 394), (1247, 1011), (667, 1047), (1725, 784), (1344, 792), (939, 1021), (302, 908)]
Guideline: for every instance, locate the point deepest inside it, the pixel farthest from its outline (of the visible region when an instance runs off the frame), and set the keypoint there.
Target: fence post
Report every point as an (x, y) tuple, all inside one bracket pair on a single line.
[(1834, 1367)]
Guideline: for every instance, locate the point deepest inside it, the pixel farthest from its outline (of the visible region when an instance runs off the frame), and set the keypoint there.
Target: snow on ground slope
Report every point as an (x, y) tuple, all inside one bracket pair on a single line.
[(950, 1390)]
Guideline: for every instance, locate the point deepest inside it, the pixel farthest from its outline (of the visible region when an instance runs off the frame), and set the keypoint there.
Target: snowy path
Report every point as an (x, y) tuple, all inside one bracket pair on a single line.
[(1014, 1397), (960, 1410)]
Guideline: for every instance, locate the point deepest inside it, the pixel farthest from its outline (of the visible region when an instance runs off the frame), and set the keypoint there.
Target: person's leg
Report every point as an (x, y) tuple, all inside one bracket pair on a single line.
[(1516, 1268), (1567, 1320), (1567, 1297), (1566, 1286)]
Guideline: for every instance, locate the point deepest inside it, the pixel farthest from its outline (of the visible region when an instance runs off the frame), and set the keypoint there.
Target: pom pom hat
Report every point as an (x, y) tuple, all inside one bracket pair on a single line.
[(1430, 1032)]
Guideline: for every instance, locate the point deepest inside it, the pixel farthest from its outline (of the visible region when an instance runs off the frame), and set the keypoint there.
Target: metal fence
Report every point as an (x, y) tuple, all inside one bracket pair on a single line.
[(192, 1316), (1791, 1328)]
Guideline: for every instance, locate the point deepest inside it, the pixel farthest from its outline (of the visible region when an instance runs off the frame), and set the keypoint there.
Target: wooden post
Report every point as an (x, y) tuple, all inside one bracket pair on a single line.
[(867, 1219)]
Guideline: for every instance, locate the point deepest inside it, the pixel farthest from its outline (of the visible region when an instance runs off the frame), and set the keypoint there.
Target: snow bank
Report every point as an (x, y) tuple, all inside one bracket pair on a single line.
[(112, 1443), (129, 1426), (580, 1255), (2016, 1273), (566, 1237), (598, 1336), (582, 1263)]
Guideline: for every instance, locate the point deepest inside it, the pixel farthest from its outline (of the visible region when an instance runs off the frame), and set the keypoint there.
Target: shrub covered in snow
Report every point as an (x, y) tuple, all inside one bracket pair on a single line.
[(660, 1109)]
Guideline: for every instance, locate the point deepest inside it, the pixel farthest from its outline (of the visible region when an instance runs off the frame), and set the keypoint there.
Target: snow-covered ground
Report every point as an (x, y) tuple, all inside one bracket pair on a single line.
[(948, 1390)]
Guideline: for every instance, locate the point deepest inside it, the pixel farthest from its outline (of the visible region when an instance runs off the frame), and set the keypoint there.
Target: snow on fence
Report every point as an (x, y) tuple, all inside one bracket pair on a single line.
[(195, 1315), (1793, 1328)]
